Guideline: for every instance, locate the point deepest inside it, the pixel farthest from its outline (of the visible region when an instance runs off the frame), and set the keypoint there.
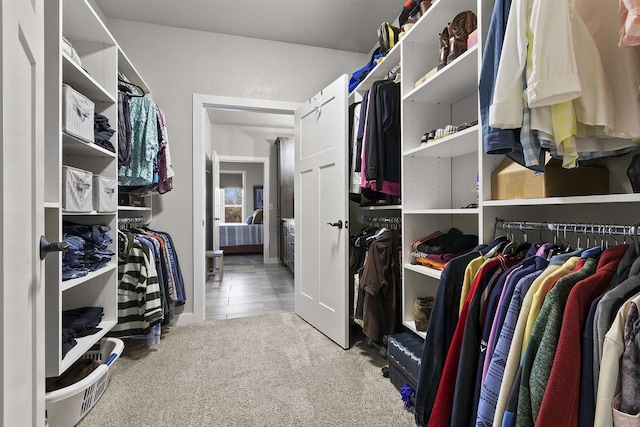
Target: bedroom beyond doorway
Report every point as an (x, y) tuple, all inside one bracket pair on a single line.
[(249, 288)]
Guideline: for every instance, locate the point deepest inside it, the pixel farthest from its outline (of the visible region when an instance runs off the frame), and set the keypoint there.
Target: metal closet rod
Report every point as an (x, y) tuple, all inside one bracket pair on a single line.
[(134, 222), (557, 227), (393, 222)]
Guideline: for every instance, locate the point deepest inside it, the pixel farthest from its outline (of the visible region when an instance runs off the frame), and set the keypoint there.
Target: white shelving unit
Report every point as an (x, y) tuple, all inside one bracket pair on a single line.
[(96, 79), (442, 177)]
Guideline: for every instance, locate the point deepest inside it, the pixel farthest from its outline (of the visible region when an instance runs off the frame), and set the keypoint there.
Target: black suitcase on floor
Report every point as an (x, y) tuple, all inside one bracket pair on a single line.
[(403, 353)]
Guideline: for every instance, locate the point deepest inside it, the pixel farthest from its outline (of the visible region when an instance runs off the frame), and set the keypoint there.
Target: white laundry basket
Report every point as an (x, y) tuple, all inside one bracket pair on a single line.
[(67, 406)]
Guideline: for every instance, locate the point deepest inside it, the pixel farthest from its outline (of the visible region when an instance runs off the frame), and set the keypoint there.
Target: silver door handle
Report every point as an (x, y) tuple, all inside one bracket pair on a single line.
[(336, 224)]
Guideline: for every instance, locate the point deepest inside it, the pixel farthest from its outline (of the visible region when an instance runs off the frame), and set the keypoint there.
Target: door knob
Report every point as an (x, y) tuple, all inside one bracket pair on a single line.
[(46, 247), (336, 224)]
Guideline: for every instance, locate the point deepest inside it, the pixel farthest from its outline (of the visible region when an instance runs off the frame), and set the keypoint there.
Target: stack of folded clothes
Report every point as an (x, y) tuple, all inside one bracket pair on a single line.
[(437, 249), (102, 132), (88, 249), (78, 323)]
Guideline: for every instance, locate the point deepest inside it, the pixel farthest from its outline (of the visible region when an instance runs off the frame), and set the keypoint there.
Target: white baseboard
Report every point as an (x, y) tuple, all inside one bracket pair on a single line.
[(183, 319)]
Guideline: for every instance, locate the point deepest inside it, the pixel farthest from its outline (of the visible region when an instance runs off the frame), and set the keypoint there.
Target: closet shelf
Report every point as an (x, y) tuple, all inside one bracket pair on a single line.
[(454, 82), (426, 271), (81, 22), (574, 200), (68, 284), (51, 205), (470, 211), (82, 81), (92, 213), (85, 343), (431, 24), (75, 146), (411, 325), (458, 144), (381, 208), (134, 208), (380, 71)]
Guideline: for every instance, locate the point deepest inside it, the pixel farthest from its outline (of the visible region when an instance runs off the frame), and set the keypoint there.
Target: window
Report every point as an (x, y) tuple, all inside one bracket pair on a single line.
[(233, 202), (233, 199)]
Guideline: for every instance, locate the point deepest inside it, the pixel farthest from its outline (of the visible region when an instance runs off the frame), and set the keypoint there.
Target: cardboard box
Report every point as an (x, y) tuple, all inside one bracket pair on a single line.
[(513, 181)]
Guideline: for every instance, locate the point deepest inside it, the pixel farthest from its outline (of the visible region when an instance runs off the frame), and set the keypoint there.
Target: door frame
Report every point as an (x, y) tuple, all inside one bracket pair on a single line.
[(200, 121)]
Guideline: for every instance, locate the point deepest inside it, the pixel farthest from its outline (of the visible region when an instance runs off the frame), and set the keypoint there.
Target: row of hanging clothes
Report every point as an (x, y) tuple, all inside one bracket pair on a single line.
[(144, 158), (541, 334), (374, 135), (374, 276), (585, 106), (150, 281)]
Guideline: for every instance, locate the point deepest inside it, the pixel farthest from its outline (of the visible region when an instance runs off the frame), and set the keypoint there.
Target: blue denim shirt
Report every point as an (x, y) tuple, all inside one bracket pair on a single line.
[(496, 141)]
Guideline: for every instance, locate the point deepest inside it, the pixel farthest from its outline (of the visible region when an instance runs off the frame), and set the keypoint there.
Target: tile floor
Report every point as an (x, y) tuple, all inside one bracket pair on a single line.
[(249, 288)]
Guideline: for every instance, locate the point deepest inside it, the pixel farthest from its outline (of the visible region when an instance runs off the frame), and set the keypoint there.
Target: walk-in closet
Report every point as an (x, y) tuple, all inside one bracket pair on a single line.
[(372, 212)]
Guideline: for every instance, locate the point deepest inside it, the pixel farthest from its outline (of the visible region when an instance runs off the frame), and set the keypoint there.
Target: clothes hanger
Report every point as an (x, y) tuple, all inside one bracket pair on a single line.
[(126, 86)]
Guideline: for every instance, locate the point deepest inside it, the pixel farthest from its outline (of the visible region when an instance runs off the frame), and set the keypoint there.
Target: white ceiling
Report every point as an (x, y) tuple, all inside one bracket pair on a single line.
[(349, 25)]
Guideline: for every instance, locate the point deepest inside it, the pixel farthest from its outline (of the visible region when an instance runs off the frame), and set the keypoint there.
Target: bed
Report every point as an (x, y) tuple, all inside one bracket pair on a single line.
[(241, 238)]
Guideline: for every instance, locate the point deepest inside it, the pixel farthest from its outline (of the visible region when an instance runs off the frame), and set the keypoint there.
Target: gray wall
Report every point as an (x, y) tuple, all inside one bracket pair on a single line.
[(176, 63)]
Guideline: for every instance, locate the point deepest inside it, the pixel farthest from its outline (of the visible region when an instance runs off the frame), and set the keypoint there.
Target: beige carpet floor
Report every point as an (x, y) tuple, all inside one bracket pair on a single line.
[(271, 370)]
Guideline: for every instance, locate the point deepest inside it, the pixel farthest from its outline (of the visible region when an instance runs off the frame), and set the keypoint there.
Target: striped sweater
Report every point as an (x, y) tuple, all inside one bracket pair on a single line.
[(139, 299)]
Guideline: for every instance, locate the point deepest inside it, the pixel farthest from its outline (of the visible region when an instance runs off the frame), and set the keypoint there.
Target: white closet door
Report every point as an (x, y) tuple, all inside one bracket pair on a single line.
[(321, 249), (218, 198), (22, 215)]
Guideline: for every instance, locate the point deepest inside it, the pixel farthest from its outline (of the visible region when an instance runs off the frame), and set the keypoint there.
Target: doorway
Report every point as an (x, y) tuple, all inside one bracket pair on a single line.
[(241, 129), (237, 219)]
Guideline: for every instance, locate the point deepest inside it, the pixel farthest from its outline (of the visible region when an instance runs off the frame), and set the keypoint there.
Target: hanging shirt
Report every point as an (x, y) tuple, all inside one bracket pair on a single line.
[(560, 403), (443, 404), (538, 359), (463, 408), (442, 324), (381, 152), (139, 300), (630, 18), (144, 144), (379, 280)]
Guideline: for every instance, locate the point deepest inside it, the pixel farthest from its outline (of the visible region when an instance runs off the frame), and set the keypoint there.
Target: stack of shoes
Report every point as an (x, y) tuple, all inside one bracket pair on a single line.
[(415, 14), (422, 312), (446, 131), (453, 38), (429, 136)]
